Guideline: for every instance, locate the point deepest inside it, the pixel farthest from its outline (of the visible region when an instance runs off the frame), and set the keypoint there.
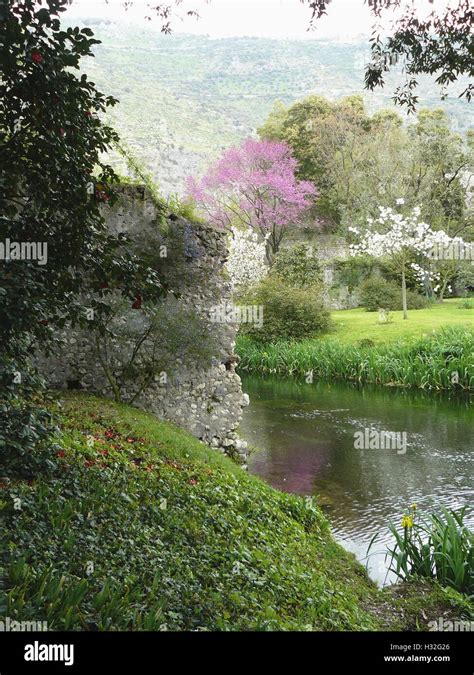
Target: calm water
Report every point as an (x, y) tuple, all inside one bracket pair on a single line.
[(305, 433)]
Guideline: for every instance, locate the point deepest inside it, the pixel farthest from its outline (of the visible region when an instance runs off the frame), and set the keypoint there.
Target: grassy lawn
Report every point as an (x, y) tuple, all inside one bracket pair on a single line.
[(353, 325)]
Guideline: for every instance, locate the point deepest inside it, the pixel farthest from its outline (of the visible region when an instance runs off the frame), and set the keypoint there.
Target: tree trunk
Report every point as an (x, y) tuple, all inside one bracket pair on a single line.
[(443, 291), (404, 295), (269, 252), (273, 246)]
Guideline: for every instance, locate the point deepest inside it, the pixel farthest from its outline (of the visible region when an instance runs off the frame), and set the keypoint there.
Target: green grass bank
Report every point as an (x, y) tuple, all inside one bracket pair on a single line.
[(139, 526), (441, 361)]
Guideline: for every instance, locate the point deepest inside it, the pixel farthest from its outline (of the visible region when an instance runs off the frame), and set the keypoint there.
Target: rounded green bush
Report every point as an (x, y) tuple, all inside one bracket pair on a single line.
[(378, 293), (289, 313), (416, 300)]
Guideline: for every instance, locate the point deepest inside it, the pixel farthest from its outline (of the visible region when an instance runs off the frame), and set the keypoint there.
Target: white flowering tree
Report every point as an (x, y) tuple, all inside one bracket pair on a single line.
[(434, 283), (398, 237), (247, 261)]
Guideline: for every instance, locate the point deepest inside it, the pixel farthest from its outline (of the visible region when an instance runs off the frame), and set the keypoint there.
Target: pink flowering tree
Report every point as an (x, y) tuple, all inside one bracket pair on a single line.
[(254, 186)]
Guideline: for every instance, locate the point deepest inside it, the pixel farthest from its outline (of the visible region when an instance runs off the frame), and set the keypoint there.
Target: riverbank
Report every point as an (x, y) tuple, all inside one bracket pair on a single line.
[(140, 526), (440, 361)]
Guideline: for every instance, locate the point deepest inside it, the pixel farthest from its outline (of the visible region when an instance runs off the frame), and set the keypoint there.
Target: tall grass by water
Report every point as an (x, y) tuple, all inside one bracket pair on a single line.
[(440, 547), (442, 361)]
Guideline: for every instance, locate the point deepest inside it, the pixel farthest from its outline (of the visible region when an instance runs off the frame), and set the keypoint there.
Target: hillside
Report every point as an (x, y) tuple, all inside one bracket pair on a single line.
[(146, 528), (184, 98)]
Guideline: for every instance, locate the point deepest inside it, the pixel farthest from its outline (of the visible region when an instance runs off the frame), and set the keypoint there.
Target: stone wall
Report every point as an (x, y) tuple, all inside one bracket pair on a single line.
[(206, 399)]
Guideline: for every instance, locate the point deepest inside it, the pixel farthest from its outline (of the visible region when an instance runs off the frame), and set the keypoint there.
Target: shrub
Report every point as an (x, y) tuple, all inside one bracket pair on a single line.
[(289, 313), (377, 292), (297, 267), (415, 300), (465, 278)]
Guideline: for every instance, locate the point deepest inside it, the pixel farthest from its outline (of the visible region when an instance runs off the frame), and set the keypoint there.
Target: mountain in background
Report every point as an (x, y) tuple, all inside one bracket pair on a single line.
[(184, 98)]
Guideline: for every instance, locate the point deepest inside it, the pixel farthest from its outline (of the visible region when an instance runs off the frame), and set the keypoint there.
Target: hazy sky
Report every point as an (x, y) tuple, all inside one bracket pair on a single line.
[(266, 18)]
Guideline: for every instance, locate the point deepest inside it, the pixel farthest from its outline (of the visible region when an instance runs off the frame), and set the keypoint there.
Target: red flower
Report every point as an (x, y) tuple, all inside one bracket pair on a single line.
[(100, 193), (44, 322), (36, 56), (192, 481), (88, 113), (62, 131), (61, 453), (138, 302)]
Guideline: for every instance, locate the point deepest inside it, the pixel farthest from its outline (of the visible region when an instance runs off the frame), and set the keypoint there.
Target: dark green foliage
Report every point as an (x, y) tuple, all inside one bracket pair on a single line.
[(378, 293), (288, 313), (465, 278), (366, 343), (25, 423), (297, 266), (179, 538), (52, 187), (415, 300)]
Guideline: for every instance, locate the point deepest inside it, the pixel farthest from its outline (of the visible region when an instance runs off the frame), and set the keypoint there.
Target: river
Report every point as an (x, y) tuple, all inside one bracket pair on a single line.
[(305, 436)]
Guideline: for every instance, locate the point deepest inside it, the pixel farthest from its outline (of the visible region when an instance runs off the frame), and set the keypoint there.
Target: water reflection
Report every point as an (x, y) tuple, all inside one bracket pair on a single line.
[(305, 433)]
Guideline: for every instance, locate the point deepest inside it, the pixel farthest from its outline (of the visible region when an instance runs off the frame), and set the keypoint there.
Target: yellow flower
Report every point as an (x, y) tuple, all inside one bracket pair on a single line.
[(407, 521), (413, 506)]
